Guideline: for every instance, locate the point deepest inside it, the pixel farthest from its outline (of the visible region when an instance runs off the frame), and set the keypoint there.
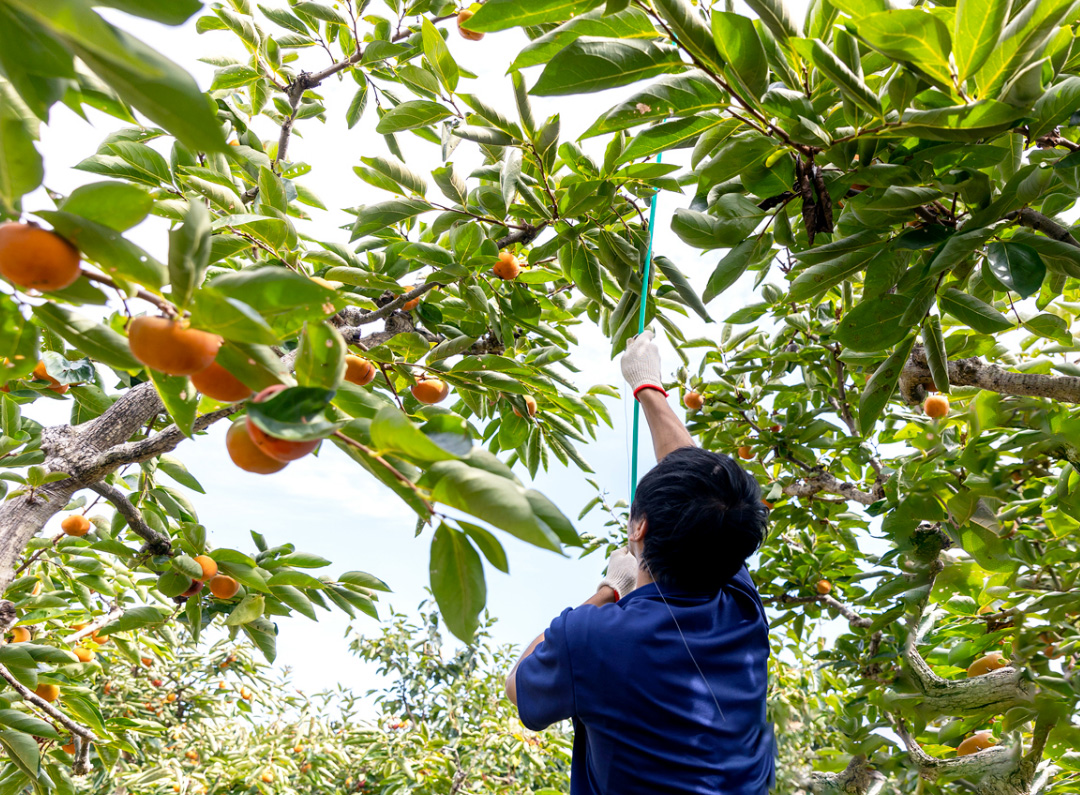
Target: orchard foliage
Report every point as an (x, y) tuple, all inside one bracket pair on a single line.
[(893, 184)]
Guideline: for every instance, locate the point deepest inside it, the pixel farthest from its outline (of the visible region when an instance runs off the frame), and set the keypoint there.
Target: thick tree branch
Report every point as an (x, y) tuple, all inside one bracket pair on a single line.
[(156, 543), (1041, 223), (856, 779), (821, 481), (915, 378), (163, 442), (998, 761)]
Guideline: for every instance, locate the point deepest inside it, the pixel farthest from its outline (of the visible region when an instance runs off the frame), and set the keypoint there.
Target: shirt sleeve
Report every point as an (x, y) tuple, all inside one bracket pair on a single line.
[(545, 679)]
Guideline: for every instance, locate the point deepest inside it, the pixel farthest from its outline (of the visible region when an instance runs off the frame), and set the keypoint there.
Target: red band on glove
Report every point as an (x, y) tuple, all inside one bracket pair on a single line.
[(616, 594), (659, 389)]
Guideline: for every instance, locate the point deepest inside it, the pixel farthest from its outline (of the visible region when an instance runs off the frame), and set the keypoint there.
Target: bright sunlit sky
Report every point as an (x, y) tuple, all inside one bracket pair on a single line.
[(329, 505)]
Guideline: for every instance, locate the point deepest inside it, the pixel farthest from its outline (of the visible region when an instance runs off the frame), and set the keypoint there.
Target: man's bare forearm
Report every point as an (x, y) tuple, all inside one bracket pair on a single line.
[(605, 595), (668, 431)]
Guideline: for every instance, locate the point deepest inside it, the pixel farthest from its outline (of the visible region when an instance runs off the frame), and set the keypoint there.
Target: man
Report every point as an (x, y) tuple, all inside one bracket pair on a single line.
[(663, 670)]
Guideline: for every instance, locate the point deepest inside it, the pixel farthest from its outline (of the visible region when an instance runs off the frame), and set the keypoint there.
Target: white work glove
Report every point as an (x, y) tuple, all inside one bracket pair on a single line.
[(622, 569), (641, 364)]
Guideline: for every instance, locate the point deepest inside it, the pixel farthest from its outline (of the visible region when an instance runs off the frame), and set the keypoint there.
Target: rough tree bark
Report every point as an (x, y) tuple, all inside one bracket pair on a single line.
[(856, 779), (915, 378)]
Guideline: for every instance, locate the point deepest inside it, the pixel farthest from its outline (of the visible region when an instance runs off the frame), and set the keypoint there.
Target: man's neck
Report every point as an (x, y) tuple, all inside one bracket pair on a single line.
[(643, 577)]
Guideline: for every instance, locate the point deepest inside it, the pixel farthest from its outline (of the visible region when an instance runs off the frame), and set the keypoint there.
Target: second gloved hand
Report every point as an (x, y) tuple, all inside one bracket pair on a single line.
[(622, 569)]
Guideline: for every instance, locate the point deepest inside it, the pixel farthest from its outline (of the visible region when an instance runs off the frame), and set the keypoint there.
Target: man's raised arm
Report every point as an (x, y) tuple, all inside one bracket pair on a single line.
[(641, 369)]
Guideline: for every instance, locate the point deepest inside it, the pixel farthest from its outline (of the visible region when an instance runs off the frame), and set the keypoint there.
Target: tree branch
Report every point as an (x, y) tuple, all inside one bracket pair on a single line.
[(163, 442), (156, 300), (822, 481), (114, 612), (915, 378), (1041, 223), (32, 698), (156, 543), (854, 619), (857, 779)]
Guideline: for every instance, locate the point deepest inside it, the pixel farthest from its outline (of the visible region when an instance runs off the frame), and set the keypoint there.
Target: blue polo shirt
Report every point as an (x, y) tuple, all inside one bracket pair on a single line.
[(644, 721)]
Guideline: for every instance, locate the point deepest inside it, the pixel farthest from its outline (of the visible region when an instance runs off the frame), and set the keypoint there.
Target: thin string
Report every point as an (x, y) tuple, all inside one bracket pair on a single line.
[(685, 644), (645, 284)]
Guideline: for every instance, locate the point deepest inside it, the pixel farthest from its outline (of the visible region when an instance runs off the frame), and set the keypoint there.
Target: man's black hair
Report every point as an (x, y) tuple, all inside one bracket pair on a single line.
[(705, 518)]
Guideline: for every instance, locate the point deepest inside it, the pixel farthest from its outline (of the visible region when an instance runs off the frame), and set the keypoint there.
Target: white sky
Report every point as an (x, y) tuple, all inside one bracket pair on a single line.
[(328, 505)]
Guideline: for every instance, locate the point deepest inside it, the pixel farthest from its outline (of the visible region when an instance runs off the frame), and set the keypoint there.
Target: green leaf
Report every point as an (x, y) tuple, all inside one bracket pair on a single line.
[(594, 65), (778, 18), (976, 32), (263, 634), (457, 580), (936, 357), (739, 44), (364, 580), (686, 94), (965, 123), (295, 414), (1050, 326), (682, 287), (142, 77), (488, 544), (496, 500), (1018, 267), (108, 249), (377, 217), (881, 386), (320, 360), (838, 73), (18, 342), (818, 278), (180, 398), (874, 324), (286, 300), (230, 318), (730, 221), (674, 135), (1022, 43), (412, 114), (913, 37), (22, 750), (248, 609), (117, 205), (399, 173), (438, 56), (583, 268), (234, 76), (692, 32), (502, 14), (95, 340), (174, 583), (393, 432), (189, 253), (1055, 106), (137, 618), (22, 722), (21, 168), (734, 264), (970, 310), (630, 23), (167, 12)]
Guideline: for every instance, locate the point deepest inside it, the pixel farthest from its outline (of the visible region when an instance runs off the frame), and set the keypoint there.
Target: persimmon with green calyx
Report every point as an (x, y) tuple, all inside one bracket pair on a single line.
[(36, 259), (507, 268), (823, 587), (746, 452), (279, 449), (20, 635), (359, 370), (693, 400), (431, 390), (223, 586), (170, 346), (218, 383), (75, 525), (246, 454), (84, 654)]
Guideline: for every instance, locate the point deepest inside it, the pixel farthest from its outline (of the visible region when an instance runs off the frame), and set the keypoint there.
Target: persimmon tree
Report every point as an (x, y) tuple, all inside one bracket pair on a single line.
[(894, 184)]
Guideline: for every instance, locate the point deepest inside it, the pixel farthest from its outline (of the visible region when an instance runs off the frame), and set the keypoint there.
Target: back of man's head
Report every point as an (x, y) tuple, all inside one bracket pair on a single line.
[(705, 518)]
